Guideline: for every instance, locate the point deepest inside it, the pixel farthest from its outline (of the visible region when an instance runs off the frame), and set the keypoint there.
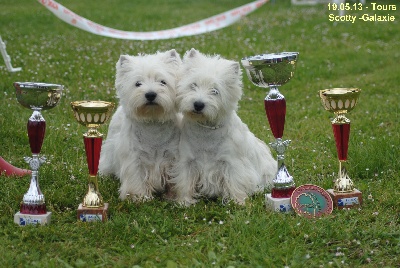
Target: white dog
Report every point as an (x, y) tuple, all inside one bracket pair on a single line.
[(218, 155), (143, 136)]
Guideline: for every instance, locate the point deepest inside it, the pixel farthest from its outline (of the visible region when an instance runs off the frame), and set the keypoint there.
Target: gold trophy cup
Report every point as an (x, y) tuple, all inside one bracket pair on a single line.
[(92, 114), (341, 101)]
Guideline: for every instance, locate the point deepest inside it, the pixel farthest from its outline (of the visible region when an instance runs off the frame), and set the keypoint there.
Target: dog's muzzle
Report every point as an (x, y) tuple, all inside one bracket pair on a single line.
[(150, 97), (198, 106)]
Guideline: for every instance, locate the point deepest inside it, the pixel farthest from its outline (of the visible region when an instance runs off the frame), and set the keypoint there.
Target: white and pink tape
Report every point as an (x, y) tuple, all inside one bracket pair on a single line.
[(203, 26)]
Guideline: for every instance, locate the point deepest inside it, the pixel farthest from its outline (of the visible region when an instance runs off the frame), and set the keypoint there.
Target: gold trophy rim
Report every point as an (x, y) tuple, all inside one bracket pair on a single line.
[(91, 106), (339, 93)]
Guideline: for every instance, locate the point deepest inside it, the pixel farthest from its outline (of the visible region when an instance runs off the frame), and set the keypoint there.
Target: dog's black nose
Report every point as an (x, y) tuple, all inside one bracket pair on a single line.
[(150, 96), (198, 106)]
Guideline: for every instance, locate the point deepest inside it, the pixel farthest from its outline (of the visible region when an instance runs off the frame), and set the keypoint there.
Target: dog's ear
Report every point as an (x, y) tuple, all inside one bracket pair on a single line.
[(172, 56), (235, 67), (122, 59), (191, 53)]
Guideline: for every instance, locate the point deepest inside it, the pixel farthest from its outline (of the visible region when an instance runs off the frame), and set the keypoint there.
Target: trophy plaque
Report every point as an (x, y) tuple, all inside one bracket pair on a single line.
[(37, 97), (273, 70), (92, 114), (341, 101)]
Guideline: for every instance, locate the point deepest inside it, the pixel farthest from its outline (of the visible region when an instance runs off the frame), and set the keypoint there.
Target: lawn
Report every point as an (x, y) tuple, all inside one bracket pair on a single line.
[(362, 54)]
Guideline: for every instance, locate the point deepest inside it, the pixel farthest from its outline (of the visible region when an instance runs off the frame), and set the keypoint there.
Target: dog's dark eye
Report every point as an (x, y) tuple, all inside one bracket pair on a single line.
[(138, 84), (163, 83), (214, 91), (193, 86)]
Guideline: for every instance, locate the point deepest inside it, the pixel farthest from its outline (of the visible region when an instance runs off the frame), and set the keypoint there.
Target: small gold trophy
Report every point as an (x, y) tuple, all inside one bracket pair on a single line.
[(92, 114), (341, 101)]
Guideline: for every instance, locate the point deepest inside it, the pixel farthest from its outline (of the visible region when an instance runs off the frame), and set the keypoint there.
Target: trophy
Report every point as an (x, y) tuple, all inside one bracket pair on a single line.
[(92, 114), (37, 97), (274, 70), (341, 101)]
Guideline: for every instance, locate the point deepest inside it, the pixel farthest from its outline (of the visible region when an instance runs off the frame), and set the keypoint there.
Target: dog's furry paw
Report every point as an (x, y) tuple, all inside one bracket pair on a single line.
[(187, 201), (139, 198)]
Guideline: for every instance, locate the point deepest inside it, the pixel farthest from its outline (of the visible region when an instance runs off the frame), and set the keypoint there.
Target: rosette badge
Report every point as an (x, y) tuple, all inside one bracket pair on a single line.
[(273, 70), (37, 97)]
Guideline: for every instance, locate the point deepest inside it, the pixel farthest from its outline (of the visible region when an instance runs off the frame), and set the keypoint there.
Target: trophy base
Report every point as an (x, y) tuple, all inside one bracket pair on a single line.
[(92, 214), (278, 204), (30, 219), (346, 200)]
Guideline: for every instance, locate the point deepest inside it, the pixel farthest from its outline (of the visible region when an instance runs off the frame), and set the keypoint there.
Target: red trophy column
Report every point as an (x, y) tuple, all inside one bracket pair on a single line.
[(275, 108), (93, 148), (342, 134)]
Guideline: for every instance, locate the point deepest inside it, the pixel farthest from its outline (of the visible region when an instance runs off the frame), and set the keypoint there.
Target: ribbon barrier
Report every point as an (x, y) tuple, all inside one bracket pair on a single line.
[(203, 26)]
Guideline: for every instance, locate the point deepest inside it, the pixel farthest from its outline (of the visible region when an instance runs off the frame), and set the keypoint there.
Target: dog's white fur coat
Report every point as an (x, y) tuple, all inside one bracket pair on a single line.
[(218, 155), (142, 140)]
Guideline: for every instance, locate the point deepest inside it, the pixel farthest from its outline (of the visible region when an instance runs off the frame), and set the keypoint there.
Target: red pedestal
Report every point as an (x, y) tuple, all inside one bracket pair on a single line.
[(282, 193), (342, 135), (33, 209)]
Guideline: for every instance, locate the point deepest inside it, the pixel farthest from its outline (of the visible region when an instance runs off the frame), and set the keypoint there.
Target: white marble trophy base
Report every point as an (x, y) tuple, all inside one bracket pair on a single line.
[(29, 219), (278, 204)]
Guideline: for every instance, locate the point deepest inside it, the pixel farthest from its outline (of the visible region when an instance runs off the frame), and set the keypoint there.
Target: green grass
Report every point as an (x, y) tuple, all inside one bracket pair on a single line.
[(209, 234)]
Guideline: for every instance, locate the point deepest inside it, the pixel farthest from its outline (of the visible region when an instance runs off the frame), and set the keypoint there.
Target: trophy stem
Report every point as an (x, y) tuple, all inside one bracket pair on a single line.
[(93, 198), (343, 184), (33, 202)]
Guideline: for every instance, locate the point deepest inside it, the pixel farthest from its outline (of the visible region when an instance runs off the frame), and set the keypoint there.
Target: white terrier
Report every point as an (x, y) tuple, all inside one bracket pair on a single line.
[(143, 136), (218, 155)]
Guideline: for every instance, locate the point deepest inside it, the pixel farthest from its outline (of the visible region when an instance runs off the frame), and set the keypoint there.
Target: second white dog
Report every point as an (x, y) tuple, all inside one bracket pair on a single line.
[(142, 141), (218, 155)]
